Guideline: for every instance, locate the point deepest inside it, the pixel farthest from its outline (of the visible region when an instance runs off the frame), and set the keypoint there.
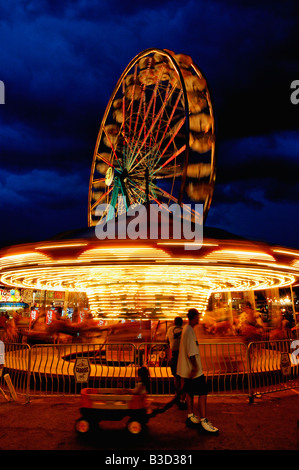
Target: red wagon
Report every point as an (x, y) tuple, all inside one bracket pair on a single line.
[(114, 404), (111, 404)]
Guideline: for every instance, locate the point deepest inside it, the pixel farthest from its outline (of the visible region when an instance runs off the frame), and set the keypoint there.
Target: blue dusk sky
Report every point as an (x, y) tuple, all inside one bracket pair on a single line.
[(60, 61)]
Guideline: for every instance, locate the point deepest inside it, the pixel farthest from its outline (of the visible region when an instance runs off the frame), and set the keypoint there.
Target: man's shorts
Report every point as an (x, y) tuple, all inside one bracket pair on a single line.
[(197, 386), (174, 362)]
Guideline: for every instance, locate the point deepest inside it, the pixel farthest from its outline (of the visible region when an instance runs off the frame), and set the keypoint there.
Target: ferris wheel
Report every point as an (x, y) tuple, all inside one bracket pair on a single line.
[(156, 142)]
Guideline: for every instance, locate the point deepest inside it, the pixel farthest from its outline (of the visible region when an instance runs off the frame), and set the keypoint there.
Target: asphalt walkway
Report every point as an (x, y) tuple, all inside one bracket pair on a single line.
[(270, 423)]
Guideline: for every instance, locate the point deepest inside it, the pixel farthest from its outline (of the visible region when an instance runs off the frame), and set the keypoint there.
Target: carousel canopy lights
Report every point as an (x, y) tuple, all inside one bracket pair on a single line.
[(146, 280)]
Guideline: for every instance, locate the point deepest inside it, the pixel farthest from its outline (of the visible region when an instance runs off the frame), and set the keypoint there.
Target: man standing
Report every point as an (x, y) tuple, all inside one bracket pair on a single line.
[(173, 337), (190, 369)]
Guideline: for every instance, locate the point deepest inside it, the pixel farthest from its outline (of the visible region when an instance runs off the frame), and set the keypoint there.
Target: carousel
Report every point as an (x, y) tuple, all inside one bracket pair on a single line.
[(155, 147)]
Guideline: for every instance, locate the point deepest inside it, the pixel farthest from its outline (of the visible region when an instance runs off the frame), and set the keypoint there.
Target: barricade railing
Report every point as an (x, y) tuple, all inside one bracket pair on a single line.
[(156, 357), (53, 368), (231, 368), (273, 366), (17, 364), (227, 368), (225, 365)]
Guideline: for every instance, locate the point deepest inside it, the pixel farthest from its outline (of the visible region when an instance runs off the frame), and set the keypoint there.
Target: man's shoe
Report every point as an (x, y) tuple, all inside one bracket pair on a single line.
[(207, 426), (192, 421)]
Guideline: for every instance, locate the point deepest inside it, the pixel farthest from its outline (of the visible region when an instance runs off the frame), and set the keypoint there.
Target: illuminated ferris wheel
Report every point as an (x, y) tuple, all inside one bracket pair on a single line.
[(156, 142)]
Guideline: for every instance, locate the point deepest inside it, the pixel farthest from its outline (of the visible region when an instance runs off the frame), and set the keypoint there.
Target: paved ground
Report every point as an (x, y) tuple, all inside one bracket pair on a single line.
[(270, 423)]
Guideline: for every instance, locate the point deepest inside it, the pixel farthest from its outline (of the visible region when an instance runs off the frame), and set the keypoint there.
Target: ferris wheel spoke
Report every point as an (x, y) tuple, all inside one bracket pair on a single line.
[(155, 119), (158, 129), (131, 106), (123, 110), (176, 154), (137, 195), (100, 157), (166, 101), (139, 112), (98, 189), (98, 201), (98, 182), (158, 118), (166, 172), (135, 151), (179, 126), (112, 147), (148, 133), (143, 191), (164, 193)]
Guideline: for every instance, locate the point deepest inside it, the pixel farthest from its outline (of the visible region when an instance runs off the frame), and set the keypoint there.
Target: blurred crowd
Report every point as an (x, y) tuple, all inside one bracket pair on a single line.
[(51, 326), (41, 328), (249, 325)]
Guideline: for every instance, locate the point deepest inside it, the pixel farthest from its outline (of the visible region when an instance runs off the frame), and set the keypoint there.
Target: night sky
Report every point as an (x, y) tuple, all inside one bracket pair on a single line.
[(60, 61)]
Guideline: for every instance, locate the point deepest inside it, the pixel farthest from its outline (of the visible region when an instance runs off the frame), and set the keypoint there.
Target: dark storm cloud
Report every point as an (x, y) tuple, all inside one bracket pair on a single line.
[(257, 190), (42, 189), (274, 223), (269, 162), (60, 61), (40, 202)]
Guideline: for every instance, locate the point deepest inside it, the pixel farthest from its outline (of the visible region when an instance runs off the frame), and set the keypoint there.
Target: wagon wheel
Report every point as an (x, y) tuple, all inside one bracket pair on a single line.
[(82, 426), (85, 426), (135, 427), (156, 140)]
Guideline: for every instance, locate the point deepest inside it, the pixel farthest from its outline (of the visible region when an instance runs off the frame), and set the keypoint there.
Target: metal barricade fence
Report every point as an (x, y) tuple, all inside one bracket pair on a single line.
[(225, 365), (273, 367), (231, 368), (53, 367), (156, 357), (17, 364)]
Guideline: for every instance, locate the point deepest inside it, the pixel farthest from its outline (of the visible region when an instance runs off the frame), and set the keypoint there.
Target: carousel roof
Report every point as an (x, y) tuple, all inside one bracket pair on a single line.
[(124, 277)]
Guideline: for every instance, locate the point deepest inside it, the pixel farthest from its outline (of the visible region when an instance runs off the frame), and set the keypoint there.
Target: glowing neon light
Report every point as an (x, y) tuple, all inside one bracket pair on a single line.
[(146, 281)]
